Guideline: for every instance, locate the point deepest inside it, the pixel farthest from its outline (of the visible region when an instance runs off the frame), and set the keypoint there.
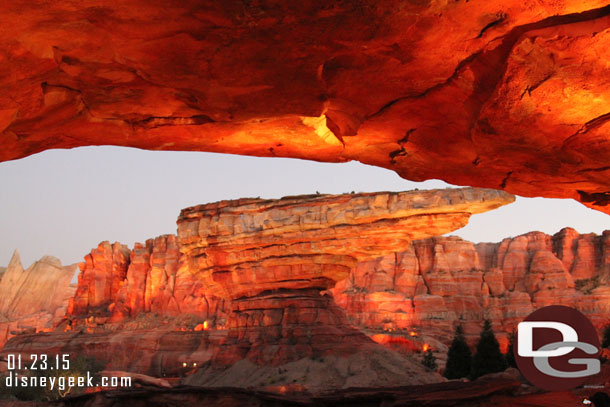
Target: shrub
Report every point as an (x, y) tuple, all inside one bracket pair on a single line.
[(429, 360), (488, 358), (459, 358)]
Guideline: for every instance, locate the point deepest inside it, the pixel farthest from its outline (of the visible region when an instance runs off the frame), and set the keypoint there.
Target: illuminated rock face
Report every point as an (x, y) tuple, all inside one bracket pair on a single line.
[(263, 263), (440, 282), (120, 283), (34, 299), (100, 278), (272, 258), (502, 94), (255, 270)]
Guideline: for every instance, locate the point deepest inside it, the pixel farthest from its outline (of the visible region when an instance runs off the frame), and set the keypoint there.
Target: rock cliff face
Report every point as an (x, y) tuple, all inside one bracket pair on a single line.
[(117, 283), (264, 276), (34, 299), (271, 259), (438, 283), (254, 270), (508, 94)]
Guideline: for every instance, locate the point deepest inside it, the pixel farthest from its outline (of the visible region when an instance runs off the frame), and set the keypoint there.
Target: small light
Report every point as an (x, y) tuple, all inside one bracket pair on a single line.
[(184, 364), (194, 364), (586, 401)]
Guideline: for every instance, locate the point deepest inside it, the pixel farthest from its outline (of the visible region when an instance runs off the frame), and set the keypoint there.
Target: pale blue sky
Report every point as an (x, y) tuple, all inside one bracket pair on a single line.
[(64, 202)]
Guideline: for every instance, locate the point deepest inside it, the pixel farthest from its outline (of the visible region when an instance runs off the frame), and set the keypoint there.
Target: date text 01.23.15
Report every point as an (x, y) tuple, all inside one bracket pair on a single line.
[(38, 362)]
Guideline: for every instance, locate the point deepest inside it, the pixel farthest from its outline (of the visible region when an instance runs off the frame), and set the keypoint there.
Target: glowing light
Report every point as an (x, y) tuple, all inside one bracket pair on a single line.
[(426, 347), (184, 364), (202, 327), (195, 364), (319, 126), (412, 333)]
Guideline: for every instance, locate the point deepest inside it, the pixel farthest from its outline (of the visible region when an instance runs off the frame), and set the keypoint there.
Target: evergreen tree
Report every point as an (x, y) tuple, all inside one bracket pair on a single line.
[(510, 355), (429, 360), (488, 358), (606, 339), (459, 357)]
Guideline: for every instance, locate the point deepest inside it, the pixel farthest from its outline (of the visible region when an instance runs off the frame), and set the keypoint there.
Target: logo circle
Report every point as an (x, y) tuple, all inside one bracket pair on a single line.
[(543, 336)]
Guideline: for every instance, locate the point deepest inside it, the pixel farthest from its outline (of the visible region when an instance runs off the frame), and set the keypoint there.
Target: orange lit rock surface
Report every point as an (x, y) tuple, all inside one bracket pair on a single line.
[(502, 94), (272, 258), (34, 299), (254, 270), (248, 246), (117, 283), (438, 283), (259, 272)]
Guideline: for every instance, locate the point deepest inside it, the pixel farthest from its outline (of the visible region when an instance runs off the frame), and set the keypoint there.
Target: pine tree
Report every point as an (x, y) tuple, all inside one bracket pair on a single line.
[(488, 358), (429, 360), (606, 339), (459, 357), (510, 355)]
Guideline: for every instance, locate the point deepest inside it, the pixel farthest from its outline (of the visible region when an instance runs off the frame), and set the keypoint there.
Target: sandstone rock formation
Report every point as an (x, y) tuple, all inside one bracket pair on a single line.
[(254, 269), (435, 284), (34, 299), (271, 259), (117, 283), (503, 94)]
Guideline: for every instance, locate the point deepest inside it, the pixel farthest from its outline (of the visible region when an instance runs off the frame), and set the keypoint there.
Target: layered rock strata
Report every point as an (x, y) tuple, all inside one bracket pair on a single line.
[(508, 94), (265, 271), (117, 284), (435, 284), (272, 258), (265, 263), (409, 298), (34, 299)]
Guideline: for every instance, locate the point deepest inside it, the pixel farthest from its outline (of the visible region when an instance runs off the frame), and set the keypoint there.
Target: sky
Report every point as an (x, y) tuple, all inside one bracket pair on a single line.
[(64, 202)]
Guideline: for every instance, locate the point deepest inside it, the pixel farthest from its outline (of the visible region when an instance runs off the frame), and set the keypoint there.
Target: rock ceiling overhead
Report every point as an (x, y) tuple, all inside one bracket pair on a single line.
[(511, 95)]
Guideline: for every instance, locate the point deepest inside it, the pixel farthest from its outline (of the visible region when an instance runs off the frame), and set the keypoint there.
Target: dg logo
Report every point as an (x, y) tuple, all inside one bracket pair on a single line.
[(557, 348)]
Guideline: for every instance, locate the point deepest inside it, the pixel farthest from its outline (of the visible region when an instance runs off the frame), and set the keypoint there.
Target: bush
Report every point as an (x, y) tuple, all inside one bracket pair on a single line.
[(429, 360), (459, 358), (488, 358)]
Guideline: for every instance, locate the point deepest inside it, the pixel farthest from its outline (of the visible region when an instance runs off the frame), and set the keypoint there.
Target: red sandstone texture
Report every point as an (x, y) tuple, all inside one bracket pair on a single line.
[(257, 268), (254, 270), (272, 258), (503, 94), (438, 283), (117, 283)]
